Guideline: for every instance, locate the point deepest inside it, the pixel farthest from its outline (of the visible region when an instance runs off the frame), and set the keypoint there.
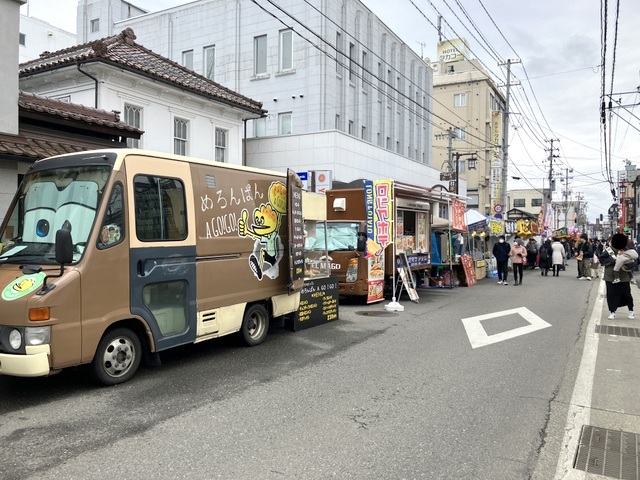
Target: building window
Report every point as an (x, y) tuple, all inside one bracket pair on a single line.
[(260, 55), (352, 52), (363, 133), (519, 202), (133, 117), (221, 145), (260, 127), (472, 200), (443, 210), (460, 100), (95, 25), (460, 133), (337, 122), (180, 131), (284, 123), (536, 202), (388, 143), (462, 166), (365, 77), (209, 55), (350, 131), (187, 59), (338, 56), (286, 50), (22, 39)]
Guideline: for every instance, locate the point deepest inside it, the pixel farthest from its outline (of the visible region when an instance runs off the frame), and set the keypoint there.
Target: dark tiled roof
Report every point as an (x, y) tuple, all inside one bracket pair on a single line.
[(124, 51), (72, 111), (35, 146)]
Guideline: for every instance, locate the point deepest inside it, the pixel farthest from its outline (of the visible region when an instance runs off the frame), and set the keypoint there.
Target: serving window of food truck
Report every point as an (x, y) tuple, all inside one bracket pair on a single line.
[(412, 230)]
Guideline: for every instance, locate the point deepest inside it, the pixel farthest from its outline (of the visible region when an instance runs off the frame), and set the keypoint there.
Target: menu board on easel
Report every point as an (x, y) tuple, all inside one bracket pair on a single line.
[(406, 277), (469, 270)]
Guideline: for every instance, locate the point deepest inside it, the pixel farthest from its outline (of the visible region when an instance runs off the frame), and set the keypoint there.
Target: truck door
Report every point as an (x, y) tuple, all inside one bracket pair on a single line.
[(162, 256)]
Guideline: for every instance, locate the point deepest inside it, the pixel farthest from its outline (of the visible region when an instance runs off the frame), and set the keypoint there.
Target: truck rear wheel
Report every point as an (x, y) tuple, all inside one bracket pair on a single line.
[(117, 357), (255, 324)]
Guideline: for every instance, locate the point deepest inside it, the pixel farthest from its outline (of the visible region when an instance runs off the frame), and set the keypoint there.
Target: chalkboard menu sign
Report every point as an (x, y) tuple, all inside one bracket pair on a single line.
[(296, 232), (318, 303)]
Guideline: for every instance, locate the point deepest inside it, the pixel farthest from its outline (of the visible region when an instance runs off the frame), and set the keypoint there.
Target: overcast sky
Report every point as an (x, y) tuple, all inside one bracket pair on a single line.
[(559, 44)]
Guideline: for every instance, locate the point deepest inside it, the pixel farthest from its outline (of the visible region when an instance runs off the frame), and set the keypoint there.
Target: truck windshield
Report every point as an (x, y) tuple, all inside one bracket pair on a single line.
[(48, 200), (340, 236)]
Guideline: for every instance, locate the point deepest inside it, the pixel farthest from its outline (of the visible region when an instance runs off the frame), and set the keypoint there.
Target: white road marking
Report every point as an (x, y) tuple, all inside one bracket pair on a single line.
[(478, 336), (579, 413)]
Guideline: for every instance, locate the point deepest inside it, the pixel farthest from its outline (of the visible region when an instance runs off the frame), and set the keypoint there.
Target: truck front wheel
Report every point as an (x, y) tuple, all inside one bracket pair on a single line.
[(117, 357), (255, 324)]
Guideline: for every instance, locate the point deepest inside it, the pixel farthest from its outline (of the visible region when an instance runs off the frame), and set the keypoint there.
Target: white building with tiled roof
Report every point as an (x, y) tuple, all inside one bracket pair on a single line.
[(179, 110)]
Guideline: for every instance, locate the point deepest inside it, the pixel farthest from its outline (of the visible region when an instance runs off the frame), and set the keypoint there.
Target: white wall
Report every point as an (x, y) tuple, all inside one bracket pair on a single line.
[(41, 36), (347, 157)]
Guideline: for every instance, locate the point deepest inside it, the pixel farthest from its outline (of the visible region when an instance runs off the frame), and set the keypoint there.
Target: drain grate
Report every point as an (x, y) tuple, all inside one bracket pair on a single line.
[(612, 453), (619, 331), (377, 314)]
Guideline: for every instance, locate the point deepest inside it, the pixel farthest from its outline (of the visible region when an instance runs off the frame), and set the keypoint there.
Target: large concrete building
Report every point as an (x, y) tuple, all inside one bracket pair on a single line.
[(468, 112), (342, 91)]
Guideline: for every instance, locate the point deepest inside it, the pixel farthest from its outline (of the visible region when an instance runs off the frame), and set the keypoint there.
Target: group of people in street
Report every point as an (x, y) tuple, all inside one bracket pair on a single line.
[(618, 257)]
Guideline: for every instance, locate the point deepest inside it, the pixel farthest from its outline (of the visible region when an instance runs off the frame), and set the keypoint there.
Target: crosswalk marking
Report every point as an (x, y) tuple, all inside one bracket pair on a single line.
[(478, 336)]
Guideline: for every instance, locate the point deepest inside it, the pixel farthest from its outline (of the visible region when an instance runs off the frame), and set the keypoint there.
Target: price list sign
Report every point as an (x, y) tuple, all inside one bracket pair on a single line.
[(318, 303), (296, 233)]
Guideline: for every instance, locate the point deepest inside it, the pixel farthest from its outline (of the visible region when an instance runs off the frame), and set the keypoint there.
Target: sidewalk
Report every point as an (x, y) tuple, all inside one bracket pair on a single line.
[(610, 444)]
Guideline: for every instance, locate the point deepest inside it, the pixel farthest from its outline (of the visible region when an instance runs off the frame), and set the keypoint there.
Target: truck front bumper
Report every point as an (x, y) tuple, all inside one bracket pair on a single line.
[(34, 364)]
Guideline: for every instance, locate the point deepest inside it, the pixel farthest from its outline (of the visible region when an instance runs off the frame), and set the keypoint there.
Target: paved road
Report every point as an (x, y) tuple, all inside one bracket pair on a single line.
[(396, 396)]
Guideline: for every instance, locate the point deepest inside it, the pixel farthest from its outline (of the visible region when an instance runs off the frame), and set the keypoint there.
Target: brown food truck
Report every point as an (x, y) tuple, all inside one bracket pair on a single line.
[(368, 276), (108, 256)]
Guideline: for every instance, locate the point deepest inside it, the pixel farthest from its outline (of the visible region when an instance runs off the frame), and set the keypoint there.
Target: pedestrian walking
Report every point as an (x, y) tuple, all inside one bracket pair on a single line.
[(518, 254), (501, 252), (532, 253), (545, 257), (618, 293), (585, 254), (595, 261), (557, 257)]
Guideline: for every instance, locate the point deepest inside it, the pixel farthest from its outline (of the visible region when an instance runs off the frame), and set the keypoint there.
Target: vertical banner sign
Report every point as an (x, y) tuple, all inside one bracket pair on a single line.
[(469, 270), (496, 162), (458, 222), (379, 209), (296, 232)]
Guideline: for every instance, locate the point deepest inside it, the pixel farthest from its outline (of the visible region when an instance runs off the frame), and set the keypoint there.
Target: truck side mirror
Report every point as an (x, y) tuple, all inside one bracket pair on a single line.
[(64, 254), (64, 246), (362, 241)]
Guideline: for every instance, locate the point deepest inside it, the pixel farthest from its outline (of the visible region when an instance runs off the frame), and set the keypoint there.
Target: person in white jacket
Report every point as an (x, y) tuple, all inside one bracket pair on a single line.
[(557, 257)]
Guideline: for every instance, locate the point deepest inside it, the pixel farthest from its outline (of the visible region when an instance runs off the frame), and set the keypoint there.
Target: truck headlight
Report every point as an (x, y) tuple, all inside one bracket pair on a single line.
[(15, 339), (352, 271), (37, 335)]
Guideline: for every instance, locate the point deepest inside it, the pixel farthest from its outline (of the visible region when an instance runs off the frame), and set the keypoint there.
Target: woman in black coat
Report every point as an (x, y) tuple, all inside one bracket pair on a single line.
[(545, 257)]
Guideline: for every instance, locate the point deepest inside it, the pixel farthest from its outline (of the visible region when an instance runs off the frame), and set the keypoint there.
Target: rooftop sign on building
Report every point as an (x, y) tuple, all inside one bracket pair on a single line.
[(453, 50)]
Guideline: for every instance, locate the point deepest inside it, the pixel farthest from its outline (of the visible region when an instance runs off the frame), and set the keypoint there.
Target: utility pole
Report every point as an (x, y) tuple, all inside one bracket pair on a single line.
[(551, 157), (505, 132), (565, 194)]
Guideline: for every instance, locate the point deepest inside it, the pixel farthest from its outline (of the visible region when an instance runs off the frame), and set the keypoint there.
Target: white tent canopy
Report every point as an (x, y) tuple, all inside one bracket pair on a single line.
[(472, 217)]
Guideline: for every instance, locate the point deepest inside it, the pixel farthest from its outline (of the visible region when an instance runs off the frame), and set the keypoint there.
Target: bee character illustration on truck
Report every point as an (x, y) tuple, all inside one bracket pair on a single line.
[(268, 248)]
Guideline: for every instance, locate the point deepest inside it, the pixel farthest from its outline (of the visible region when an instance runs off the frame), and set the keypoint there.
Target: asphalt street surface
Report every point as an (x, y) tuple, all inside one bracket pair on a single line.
[(382, 395)]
